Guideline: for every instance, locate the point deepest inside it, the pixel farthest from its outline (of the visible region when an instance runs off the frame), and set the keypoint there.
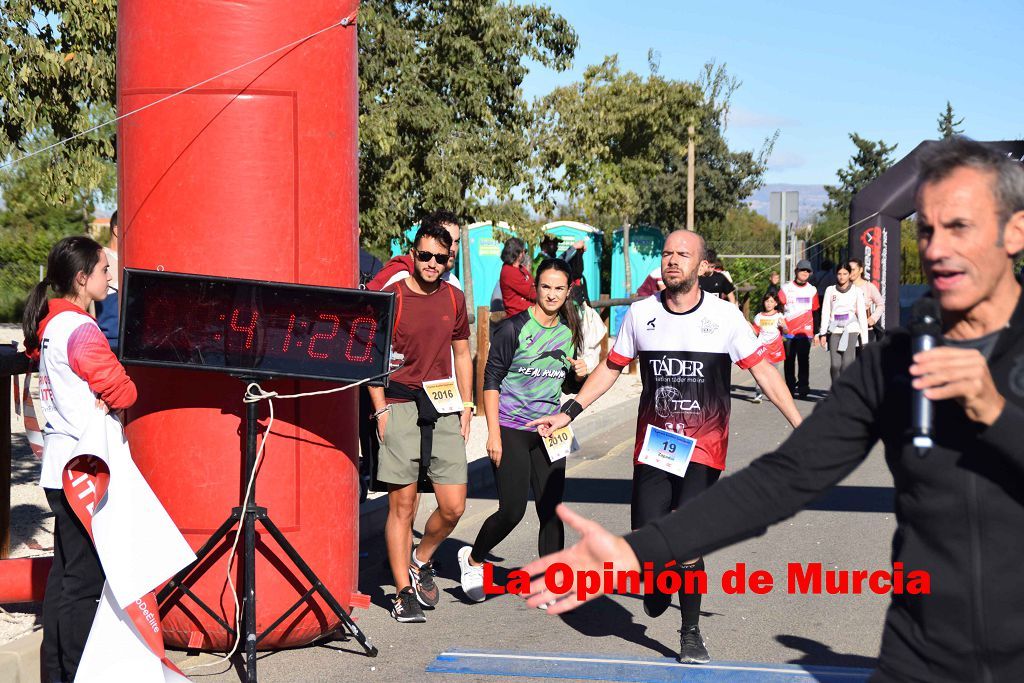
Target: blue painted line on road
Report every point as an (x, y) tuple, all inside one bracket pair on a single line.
[(612, 668)]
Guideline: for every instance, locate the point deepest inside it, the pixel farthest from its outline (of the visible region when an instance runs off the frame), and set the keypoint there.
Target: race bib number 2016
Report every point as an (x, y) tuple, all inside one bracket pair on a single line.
[(444, 395), (667, 450)]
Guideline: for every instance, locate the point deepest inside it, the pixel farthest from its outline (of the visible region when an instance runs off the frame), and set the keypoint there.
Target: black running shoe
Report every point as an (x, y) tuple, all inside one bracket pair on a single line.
[(422, 579), (691, 646), (405, 608), (656, 603)]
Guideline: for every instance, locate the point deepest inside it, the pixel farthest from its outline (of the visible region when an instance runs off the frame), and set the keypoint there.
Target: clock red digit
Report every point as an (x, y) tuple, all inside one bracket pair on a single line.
[(249, 329), (335, 324), (371, 333)]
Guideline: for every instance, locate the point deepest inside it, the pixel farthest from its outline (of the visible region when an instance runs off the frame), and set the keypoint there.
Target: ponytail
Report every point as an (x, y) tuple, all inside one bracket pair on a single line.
[(69, 257), (36, 308)]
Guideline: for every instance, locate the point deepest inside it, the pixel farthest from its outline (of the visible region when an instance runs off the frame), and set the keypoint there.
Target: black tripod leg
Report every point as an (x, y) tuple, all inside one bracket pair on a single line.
[(201, 554), (311, 576)]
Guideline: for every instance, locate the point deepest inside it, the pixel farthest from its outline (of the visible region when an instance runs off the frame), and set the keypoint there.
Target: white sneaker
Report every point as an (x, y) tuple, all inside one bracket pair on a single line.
[(472, 577)]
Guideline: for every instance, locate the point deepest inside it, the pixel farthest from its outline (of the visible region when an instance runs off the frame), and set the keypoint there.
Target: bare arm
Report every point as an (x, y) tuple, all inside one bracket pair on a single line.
[(599, 381), (774, 387), (464, 378), (493, 428)]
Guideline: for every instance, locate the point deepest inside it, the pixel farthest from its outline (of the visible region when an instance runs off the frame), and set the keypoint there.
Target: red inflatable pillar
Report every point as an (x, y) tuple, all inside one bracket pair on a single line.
[(251, 175)]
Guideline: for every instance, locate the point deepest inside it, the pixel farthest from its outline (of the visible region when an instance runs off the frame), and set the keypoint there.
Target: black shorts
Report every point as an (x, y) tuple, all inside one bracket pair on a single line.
[(657, 493)]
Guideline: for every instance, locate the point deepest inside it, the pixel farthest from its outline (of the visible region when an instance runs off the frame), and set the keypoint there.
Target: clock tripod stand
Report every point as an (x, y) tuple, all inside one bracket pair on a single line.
[(247, 519)]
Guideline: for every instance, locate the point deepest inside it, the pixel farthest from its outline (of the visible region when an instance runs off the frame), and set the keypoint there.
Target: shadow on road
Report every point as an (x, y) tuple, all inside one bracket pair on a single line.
[(820, 654), (604, 618)]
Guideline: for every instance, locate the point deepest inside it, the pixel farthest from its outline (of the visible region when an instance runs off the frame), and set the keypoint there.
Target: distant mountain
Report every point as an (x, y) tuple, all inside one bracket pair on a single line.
[(812, 198)]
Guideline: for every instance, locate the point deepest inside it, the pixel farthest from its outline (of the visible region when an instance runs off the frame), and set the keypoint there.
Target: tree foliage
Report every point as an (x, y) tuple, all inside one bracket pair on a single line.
[(56, 81), (615, 145), (948, 123), (443, 122), (870, 161)]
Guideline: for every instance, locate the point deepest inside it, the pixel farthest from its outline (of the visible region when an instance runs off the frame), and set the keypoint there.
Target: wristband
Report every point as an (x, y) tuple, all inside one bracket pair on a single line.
[(572, 408), (470, 405), (380, 412)]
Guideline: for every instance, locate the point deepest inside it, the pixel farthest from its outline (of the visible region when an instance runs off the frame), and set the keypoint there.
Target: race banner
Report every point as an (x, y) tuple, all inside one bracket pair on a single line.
[(27, 410), (139, 548)]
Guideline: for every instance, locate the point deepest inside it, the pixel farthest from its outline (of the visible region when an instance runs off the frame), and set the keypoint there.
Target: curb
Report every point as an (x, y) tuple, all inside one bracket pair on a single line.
[(19, 659)]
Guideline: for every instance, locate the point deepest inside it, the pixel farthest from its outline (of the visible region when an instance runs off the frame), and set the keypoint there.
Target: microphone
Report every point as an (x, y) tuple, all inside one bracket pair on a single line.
[(925, 334)]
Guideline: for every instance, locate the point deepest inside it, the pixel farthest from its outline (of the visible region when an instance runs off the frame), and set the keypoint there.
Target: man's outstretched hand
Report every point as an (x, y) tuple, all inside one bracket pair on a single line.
[(596, 547)]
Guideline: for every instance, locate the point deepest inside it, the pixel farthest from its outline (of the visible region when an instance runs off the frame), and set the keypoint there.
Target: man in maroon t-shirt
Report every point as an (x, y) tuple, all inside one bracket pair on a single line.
[(418, 421)]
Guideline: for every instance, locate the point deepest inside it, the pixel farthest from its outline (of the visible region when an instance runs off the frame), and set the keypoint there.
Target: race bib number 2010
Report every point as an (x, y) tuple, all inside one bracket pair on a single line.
[(666, 450), (559, 443), (444, 394)]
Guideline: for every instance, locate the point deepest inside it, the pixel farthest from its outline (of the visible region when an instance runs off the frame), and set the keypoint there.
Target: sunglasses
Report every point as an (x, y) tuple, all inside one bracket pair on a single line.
[(425, 256)]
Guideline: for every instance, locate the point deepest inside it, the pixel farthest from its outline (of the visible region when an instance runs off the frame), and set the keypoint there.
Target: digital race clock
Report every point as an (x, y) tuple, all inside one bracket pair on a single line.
[(250, 327)]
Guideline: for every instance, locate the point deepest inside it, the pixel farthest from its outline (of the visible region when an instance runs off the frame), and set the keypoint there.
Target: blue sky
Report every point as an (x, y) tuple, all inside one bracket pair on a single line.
[(819, 70)]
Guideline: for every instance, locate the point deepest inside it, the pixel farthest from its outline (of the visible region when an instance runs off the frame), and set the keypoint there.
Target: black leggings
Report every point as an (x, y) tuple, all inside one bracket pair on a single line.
[(524, 464), (657, 493)]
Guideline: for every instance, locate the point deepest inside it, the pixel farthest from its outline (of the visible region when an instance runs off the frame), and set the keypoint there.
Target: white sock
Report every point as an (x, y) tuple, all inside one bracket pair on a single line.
[(415, 560)]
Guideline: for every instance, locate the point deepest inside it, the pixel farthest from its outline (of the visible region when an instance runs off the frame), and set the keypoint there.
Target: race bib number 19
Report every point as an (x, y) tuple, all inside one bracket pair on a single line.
[(666, 450), (444, 394), (558, 443)]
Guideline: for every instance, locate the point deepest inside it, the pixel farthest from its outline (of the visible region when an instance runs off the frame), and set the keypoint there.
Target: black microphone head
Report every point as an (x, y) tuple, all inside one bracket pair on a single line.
[(926, 317)]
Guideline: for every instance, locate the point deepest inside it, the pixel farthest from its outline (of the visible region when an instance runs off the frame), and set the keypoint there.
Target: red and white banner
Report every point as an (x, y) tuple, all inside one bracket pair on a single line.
[(27, 409), (139, 548)]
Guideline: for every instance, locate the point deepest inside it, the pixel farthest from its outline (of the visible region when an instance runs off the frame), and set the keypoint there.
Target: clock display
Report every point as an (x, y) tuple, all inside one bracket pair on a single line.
[(250, 327)]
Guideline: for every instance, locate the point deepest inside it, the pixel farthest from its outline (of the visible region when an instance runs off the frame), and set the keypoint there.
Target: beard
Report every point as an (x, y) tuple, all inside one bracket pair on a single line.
[(683, 285)]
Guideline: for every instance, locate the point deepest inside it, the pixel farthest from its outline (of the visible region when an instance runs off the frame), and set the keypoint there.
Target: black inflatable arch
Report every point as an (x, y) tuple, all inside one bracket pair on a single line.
[(875, 215)]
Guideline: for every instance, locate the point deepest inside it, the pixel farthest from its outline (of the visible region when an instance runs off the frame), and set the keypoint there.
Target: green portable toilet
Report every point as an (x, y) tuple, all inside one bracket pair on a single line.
[(645, 244), (570, 232), (486, 240)]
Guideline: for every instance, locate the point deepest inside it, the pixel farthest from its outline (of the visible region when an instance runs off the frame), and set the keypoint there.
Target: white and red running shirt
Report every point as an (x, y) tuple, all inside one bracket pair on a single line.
[(768, 333), (685, 365), (800, 302)]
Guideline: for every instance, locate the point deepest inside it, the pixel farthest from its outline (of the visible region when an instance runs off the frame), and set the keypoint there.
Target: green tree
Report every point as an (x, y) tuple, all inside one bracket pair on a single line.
[(948, 123), (615, 145), (443, 122), (870, 161), (56, 81)]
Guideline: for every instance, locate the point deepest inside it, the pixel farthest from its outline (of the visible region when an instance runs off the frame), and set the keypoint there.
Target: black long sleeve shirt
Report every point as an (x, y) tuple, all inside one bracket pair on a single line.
[(959, 510)]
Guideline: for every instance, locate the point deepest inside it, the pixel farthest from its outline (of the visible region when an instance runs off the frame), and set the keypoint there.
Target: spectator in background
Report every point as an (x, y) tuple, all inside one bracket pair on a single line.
[(107, 310), (549, 249), (369, 266), (714, 281), (773, 285), (872, 298), (517, 290), (652, 284)]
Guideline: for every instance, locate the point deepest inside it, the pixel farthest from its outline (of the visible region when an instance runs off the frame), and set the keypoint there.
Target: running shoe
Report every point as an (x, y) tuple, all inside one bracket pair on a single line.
[(656, 603), (758, 397), (472, 577), (422, 578), (405, 609), (691, 646)]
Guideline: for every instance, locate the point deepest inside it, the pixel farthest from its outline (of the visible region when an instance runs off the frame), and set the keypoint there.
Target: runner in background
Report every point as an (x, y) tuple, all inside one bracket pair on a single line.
[(77, 373), (532, 362), (714, 280), (686, 342), (431, 328), (770, 324), (800, 300), (873, 299), (844, 322)]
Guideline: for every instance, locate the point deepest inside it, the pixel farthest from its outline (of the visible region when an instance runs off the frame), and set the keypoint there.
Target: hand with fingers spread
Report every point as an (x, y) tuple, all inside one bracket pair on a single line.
[(596, 548), (549, 423), (947, 372)]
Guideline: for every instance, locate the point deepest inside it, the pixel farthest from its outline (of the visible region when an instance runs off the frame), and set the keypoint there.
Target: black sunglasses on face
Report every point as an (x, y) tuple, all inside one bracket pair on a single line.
[(425, 256)]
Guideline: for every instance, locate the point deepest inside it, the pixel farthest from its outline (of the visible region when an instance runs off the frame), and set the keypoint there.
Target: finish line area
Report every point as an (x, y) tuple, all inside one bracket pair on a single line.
[(604, 668)]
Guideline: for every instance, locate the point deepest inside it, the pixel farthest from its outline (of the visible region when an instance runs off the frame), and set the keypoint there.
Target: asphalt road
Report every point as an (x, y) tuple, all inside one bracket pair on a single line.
[(850, 528)]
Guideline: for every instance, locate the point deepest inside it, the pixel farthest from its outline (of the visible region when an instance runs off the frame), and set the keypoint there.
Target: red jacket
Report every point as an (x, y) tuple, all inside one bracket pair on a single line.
[(517, 290)]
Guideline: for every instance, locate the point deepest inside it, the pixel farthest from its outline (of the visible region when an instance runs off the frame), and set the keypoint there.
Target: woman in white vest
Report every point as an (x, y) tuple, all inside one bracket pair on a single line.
[(844, 321), (77, 373)]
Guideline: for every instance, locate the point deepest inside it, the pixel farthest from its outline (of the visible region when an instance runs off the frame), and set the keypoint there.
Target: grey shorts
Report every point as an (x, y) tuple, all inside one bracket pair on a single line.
[(399, 457)]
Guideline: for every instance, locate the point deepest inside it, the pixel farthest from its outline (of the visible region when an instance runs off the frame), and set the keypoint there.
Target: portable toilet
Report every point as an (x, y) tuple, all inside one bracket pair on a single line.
[(645, 244), (486, 240), (401, 245), (570, 232)]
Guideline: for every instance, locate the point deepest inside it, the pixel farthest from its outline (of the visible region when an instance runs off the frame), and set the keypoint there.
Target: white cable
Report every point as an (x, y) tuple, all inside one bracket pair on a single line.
[(253, 394), (347, 21)]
